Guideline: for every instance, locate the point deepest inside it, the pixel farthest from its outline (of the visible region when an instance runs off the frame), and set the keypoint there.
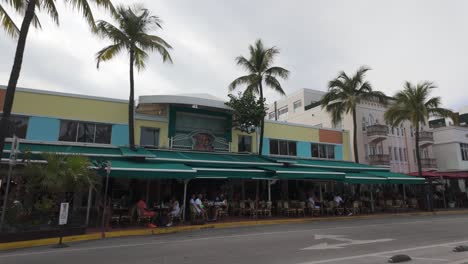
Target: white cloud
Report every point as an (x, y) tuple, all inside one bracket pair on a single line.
[(400, 40)]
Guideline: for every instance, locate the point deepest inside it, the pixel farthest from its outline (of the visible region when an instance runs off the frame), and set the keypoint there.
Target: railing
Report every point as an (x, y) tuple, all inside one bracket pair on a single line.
[(379, 159), (426, 136), (429, 163), (377, 130)]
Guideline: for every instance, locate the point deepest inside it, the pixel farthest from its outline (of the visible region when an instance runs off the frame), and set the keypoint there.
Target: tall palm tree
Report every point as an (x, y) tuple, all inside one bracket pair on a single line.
[(260, 70), (27, 8), (132, 35), (344, 94), (414, 104)]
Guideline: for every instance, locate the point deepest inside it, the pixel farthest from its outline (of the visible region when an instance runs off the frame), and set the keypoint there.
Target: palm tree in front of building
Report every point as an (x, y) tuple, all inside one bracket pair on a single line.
[(27, 9), (344, 94), (414, 104), (260, 70), (132, 35)]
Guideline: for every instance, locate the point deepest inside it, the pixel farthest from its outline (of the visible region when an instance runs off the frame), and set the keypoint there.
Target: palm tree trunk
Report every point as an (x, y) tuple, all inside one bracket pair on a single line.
[(418, 160), (356, 156), (131, 104), (15, 72), (262, 123)]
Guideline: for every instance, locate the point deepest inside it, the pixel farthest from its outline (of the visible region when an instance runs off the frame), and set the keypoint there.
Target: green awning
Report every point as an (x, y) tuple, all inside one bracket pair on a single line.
[(364, 178), (137, 153), (396, 178), (148, 170), (303, 173), (343, 166), (233, 173), (36, 149), (211, 159)]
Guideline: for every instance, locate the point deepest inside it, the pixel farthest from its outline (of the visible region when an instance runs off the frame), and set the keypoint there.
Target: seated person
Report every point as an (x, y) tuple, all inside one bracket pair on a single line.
[(145, 212), (313, 202), (338, 200), (175, 211), (200, 207), (193, 204)]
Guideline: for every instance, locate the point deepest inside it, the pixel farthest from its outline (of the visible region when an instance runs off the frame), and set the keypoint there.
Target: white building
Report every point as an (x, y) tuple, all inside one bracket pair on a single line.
[(451, 148), (293, 104), (378, 144)]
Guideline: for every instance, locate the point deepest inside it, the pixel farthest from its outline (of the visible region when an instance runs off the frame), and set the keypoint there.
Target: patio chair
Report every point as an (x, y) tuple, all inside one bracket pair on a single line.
[(413, 204), (301, 209), (329, 207), (389, 205), (254, 212), (242, 209), (364, 207), (223, 212), (279, 207), (288, 210), (356, 208), (141, 217), (339, 210)]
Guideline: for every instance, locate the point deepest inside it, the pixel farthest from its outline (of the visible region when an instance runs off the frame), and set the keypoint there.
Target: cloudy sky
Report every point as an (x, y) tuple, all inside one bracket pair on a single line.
[(400, 40)]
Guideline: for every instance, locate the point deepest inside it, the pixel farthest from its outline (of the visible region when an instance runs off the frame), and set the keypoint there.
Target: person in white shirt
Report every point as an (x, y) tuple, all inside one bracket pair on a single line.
[(200, 206), (175, 211), (194, 204), (338, 200)]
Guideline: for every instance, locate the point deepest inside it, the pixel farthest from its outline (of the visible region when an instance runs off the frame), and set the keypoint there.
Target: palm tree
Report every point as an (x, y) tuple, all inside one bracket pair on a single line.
[(132, 35), (414, 104), (260, 70), (27, 8), (344, 94)]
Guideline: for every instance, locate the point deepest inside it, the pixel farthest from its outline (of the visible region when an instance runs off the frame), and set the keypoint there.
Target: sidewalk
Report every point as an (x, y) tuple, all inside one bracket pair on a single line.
[(95, 235)]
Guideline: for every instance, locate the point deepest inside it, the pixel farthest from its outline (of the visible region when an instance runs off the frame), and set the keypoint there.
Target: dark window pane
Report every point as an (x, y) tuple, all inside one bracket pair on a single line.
[(315, 150), (283, 147), (330, 152), (103, 134), (149, 137), (68, 131), (274, 147), (323, 151), (244, 144), (18, 126), (86, 132), (292, 148)]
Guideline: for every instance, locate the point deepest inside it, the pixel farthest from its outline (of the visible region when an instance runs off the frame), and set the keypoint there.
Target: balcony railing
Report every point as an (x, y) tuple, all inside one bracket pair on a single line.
[(377, 130), (379, 159), (426, 136), (429, 163)]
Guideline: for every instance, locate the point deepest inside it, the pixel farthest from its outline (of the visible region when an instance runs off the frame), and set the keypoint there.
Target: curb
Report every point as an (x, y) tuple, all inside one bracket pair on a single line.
[(177, 229)]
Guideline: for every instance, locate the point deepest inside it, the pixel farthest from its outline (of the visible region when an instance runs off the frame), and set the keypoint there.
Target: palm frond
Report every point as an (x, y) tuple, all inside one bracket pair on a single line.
[(154, 43), (246, 64), (50, 8), (105, 29), (278, 71), (8, 24), (108, 53), (248, 80), (140, 57), (273, 83)]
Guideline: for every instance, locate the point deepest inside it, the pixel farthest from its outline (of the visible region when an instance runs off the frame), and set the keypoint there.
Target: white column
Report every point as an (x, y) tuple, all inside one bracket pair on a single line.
[(88, 208), (269, 190)]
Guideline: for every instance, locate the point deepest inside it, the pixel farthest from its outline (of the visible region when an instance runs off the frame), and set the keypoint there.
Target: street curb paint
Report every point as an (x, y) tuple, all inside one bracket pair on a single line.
[(177, 229)]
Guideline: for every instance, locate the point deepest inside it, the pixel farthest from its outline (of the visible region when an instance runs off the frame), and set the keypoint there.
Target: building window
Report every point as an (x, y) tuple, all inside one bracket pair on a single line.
[(244, 143), (271, 115), (411, 131), (464, 151), (85, 132), (364, 124), (395, 151), (283, 113), (393, 131), (323, 151), (297, 105), (17, 126), (149, 137), (390, 153), (414, 155), (405, 151), (283, 147), (397, 131), (401, 154)]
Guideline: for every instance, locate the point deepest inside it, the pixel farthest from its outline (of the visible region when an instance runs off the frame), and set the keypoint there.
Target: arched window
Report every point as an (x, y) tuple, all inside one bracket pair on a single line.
[(364, 124), (371, 120)]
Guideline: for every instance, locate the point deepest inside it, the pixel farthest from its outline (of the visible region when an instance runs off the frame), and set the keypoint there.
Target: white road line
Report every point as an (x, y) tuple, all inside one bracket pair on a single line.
[(459, 219), (386, 253)]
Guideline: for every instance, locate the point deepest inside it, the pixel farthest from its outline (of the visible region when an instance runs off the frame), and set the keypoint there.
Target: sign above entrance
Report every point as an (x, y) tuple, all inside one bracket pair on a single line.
[(202, 141)]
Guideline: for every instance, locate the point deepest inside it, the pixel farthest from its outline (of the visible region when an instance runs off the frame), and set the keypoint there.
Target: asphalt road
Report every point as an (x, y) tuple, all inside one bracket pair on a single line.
[(427, 239)]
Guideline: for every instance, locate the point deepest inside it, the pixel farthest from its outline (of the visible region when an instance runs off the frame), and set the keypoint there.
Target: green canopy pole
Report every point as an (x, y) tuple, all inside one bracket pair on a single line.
[(404, 193), (185, 199), (321, 198), (372, 197), (147, 190), (269, 190), (88, 208)]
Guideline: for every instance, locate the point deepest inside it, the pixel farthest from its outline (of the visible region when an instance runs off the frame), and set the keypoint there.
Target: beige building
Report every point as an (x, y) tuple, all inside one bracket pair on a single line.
[(378, 144), (293, 105)]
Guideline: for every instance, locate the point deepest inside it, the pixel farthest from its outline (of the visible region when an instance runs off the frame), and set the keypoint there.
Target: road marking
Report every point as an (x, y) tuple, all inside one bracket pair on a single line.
[(458, 219), (348, 242), (385, 253), (436, 259)]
